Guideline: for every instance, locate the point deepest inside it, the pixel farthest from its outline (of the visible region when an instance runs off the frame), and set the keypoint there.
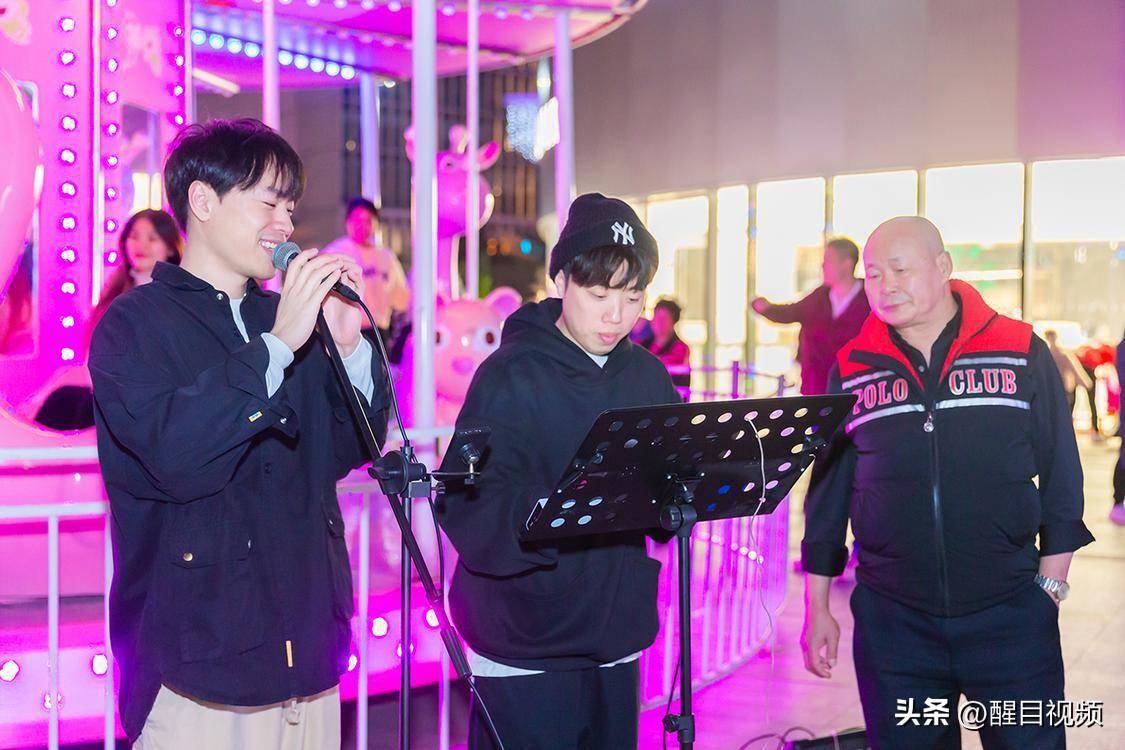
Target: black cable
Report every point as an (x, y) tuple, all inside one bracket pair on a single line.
[(746, 745), (440, 547), (437, 529), (781, 738), (488, 716)]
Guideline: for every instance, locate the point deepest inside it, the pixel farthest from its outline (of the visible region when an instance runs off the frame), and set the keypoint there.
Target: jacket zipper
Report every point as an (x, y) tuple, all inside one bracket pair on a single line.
[(939, 527)]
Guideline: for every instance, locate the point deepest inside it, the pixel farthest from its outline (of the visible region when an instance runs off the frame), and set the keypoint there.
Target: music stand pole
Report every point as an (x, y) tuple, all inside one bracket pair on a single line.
[(680, 517)]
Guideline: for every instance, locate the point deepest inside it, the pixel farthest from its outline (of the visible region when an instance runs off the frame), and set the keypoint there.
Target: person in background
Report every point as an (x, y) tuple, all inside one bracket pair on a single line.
[(1091, 356), (1072, 375), (641, 335), (148, 236), (830, 315), (668, 347), (386, 292), (1117, 514)]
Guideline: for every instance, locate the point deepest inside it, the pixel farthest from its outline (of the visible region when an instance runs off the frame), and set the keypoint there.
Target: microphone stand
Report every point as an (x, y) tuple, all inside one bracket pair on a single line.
[(400, 475)]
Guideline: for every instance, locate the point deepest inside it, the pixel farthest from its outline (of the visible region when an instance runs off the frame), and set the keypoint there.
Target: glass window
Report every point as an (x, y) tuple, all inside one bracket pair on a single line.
[(680, 226), (1076, 253), (790, 222), (979, 211), (861, 202)]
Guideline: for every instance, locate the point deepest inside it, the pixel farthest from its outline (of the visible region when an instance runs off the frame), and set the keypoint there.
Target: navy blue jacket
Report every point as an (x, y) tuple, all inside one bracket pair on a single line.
[(231, 578), (935, 466)]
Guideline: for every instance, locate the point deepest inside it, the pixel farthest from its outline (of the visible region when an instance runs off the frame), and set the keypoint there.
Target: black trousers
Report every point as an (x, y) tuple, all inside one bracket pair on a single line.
[(586, 709), (1008, 652)]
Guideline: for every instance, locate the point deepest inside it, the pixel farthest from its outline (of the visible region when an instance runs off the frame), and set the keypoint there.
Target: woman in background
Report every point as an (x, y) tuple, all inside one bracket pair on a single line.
[(149, 236)]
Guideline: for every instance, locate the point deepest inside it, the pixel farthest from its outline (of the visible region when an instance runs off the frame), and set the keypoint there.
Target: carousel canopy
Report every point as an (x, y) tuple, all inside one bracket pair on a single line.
[(330, 42)]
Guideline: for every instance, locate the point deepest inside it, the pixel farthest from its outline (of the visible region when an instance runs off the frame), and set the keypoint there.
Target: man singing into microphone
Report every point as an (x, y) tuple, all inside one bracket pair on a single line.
[(555, 631), (221, 434)]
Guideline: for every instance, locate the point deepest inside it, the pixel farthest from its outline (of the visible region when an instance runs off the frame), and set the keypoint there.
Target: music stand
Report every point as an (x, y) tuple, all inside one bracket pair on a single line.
[(669, 467)]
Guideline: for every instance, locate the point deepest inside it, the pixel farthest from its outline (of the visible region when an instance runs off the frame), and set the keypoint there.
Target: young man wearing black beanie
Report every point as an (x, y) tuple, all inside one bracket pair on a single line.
[(555, 630)]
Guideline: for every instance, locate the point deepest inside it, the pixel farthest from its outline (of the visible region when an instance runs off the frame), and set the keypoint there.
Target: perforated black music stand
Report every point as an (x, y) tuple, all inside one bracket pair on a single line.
[(669, 467)]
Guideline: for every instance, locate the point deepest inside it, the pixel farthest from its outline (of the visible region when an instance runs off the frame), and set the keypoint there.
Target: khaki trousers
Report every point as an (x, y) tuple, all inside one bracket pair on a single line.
[(178, 722)]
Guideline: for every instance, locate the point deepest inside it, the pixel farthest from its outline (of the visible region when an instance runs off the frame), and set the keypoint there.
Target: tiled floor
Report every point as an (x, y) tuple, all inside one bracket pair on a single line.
[(772, 696)]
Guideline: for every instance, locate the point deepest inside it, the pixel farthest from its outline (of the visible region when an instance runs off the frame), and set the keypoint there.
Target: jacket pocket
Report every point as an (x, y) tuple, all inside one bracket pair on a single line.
[(218, 599), (343, 595)]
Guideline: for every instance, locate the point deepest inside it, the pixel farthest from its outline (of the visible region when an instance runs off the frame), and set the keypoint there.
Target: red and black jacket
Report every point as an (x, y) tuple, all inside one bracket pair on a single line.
[(938, 482)]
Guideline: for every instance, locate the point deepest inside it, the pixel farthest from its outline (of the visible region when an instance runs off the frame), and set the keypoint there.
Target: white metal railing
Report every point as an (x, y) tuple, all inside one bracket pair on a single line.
[(51, 514), (728, 553)]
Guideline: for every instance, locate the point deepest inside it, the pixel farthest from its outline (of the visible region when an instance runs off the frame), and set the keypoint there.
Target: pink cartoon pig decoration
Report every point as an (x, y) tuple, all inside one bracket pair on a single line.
[(452, 195), (466, 331)]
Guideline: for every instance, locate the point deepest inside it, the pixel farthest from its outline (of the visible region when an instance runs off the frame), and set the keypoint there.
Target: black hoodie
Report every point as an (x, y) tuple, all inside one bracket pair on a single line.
[(575, 604)]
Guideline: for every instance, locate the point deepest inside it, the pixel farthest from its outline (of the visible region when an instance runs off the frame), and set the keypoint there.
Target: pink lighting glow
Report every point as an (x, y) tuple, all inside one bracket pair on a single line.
[(9, 670), (432, 618), (69, 90), (380, 627), (66, 57), (99, 665), (66, 156), (353, 661)]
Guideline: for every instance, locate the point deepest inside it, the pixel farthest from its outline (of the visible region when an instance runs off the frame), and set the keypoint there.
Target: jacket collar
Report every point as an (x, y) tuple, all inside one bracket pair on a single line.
[(179, 278), (874, 337)]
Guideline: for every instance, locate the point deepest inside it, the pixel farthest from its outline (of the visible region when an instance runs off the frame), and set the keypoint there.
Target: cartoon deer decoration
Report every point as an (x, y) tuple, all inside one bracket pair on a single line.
[(452, 197)]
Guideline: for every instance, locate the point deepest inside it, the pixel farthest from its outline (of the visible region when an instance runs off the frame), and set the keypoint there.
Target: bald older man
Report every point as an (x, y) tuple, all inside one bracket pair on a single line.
[(959, 410)]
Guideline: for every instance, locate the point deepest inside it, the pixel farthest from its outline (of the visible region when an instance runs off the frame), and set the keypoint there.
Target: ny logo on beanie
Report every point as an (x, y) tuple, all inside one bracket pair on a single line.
[(623, 233)]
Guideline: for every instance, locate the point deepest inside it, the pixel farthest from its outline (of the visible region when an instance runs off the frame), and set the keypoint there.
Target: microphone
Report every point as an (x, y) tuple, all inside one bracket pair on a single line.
[(284, 254)]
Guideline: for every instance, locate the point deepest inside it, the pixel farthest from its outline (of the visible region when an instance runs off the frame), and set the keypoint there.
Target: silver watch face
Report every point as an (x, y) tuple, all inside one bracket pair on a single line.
[(1063, 590)]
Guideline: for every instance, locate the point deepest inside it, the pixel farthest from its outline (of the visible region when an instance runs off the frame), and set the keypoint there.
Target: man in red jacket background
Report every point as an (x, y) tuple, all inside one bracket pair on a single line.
[(830, 316)]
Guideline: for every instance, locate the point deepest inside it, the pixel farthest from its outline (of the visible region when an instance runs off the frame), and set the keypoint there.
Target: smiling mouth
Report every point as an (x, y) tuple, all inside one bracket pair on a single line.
[(268, 245)]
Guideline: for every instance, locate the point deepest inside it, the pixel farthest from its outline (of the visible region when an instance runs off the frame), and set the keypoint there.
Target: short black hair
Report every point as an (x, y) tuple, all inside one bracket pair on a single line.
[(671, 307), (361, 202), (598, 266), (844, 248), (226, 154)]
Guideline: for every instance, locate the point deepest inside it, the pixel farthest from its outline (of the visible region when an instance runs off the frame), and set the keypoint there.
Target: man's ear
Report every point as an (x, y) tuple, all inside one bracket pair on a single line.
[(560, 282), (202, 200), (945, 265)]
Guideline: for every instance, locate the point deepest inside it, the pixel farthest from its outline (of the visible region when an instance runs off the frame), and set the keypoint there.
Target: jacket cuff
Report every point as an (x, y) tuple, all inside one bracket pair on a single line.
[(823, 559), (1064, 536)]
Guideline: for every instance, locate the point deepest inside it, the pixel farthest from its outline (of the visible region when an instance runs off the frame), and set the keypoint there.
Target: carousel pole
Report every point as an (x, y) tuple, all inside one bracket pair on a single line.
[(564, 93), (369, 137), (424, 106), (271, 78), (472, 201)]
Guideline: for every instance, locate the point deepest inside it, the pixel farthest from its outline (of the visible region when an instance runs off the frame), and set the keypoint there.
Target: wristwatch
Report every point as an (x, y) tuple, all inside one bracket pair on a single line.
[(1053, 586)]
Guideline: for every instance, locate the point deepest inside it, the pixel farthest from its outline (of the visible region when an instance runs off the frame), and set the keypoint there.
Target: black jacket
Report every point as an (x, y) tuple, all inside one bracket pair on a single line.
[(227, 536), (589, 601), (937, 480)]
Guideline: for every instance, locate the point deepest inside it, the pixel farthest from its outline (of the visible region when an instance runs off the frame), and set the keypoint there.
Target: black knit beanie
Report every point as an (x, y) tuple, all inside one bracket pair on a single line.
[(597, 221)]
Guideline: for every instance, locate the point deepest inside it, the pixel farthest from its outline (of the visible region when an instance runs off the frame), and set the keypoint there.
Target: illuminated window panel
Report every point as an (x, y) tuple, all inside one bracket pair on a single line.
[(1076, 253), (981, 205), (1078, 200), (790, 224), (680, 228), (733, 218), (979, 211), (861, 202)]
